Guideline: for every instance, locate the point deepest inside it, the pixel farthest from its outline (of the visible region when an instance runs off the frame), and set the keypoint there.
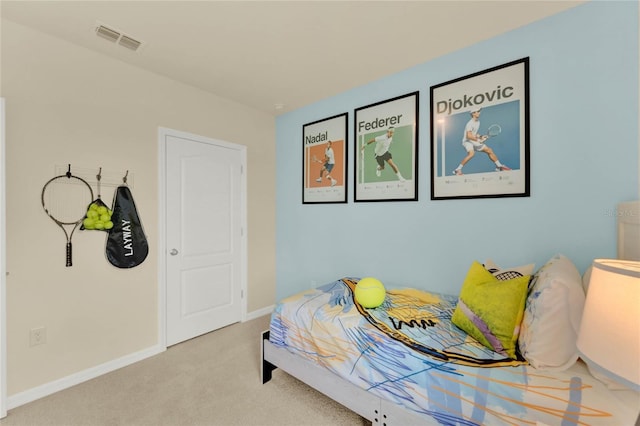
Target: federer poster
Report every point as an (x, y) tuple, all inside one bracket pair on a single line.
[(386, 136), (324, 160), (480, 134)]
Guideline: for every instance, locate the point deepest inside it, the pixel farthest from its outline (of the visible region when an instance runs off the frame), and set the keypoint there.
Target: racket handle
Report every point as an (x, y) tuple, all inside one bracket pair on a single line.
[(69, 254)]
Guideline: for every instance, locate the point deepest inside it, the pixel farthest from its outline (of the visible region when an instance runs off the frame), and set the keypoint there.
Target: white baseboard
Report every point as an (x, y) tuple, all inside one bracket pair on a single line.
[(259, 313), (46, 389)]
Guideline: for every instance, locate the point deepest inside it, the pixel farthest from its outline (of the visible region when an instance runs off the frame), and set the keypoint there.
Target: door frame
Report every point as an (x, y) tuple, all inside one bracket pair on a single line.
[(3, 267), (163, 133)]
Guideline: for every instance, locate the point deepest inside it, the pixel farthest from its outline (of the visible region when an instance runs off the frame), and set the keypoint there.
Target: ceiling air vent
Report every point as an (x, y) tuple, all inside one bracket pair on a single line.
[(118, 37), (107, 33), (129, 43)]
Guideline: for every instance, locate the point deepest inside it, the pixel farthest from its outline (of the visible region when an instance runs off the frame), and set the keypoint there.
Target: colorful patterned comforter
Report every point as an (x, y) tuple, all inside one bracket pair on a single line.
[(408, 351)]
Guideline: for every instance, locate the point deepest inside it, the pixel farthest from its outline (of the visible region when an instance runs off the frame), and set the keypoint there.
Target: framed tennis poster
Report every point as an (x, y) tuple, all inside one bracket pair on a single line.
[(324, 160), (386, 136), (480, 134)]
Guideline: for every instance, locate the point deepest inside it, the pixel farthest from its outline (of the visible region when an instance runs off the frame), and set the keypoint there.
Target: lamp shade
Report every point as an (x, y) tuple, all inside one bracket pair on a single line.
[(609, 337)]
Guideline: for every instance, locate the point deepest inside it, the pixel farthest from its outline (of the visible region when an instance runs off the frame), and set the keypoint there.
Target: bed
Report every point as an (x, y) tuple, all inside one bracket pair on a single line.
[(406, 363)]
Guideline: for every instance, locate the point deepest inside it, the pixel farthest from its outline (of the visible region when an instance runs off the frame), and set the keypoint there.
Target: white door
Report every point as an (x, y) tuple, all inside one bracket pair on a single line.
[(204, 235)]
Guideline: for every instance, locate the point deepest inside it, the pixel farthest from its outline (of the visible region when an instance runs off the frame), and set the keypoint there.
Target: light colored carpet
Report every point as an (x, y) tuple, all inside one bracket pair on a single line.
[(210, 380)]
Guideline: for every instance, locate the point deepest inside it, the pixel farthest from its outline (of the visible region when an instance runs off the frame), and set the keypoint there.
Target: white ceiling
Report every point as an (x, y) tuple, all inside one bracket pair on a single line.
[(263, 53)]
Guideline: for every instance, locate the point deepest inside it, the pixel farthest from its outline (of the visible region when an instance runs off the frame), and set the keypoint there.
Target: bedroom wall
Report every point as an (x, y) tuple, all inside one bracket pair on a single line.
[(66, 104), (584, 160)]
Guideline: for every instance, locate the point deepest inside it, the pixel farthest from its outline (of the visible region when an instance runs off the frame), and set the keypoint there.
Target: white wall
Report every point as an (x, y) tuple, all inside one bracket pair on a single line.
[(584, 160), (66, 104)]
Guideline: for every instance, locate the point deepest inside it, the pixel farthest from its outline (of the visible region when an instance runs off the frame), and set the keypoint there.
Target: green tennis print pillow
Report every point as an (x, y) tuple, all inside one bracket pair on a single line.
[(490, 310)]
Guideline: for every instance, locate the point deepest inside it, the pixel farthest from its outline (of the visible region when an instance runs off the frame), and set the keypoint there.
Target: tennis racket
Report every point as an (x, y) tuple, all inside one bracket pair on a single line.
[(493, 130), (315, 159), (65, 199)]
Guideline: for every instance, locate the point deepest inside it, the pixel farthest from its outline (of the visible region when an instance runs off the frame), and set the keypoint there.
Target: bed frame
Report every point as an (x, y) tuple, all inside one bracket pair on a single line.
[(377, 410)]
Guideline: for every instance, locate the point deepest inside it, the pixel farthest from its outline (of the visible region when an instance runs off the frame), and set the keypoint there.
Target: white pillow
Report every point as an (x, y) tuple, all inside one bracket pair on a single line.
[(552, 316)]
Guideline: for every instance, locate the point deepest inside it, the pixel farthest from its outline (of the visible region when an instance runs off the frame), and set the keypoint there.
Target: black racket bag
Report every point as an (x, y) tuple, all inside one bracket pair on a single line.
[(126, 243)]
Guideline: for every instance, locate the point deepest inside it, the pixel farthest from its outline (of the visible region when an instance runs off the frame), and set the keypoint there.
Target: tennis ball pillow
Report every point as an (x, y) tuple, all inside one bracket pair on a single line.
[(370, 292)]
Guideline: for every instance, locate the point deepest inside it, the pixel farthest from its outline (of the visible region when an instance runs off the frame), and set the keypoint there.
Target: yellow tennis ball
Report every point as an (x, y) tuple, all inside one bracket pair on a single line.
[(370, 292)]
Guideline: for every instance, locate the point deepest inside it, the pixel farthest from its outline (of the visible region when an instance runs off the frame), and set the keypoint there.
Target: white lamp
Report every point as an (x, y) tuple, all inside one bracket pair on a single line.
[(609, 337)]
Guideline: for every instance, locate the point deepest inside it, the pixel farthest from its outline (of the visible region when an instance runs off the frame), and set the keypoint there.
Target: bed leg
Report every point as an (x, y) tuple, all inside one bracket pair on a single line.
[(266, 367)]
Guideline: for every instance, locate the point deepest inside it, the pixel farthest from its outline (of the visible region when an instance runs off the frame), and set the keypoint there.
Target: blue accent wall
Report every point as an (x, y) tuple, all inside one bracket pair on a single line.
[(584, 160)]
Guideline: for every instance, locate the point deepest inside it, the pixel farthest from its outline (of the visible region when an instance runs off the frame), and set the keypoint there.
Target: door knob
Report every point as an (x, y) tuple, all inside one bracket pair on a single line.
[(173, 252)]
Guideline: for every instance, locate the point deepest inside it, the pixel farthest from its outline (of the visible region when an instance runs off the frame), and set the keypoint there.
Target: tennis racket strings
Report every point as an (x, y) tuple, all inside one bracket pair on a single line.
[(494, 130), (65, 199)]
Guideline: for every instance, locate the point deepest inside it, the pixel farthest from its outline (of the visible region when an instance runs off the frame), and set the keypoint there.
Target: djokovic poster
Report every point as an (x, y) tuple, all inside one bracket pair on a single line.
[(480, 134)]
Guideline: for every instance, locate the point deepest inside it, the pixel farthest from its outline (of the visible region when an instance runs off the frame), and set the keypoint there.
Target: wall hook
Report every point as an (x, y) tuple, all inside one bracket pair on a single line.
[(69, 171), (98, 177), (124, 179)]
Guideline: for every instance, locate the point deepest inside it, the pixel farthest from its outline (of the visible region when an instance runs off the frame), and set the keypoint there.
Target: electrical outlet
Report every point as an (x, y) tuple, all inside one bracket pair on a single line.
[(37, 336)]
